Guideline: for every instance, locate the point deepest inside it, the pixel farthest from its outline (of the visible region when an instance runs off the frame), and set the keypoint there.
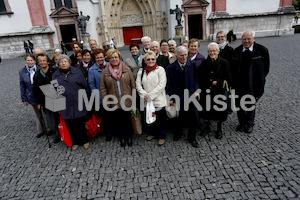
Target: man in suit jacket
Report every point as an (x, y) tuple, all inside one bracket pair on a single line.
[(181, 76), (251, 66)]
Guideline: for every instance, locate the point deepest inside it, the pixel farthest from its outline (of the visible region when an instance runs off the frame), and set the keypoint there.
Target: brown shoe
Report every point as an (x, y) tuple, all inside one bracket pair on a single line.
[(161, 142), (150, 137), (86, 145), (74, 147)]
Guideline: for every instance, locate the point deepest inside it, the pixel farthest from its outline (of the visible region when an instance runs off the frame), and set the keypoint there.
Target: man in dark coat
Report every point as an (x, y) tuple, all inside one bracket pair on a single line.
[(181, 76), (251, 66)]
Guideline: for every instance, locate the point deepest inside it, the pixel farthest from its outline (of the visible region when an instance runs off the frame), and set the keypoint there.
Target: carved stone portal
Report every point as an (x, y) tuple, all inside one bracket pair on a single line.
[(135, 19)]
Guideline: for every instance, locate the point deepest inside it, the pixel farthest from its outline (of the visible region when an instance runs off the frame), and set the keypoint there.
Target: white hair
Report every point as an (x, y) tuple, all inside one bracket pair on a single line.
[(180, 49), (145, 38), (58, 51), (172, 42), (213, 44), (154, 43)]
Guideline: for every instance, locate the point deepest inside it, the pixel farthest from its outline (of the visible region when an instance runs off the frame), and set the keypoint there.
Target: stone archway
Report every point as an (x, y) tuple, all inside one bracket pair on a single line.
[(116, 14)]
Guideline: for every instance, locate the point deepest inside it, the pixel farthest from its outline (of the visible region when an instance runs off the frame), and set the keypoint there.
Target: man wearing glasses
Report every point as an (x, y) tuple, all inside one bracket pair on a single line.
[(251, 66)]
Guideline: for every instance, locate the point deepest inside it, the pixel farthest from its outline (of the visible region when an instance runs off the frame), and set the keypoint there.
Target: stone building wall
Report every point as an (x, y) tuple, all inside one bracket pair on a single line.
[(12, 46), (264, 25)]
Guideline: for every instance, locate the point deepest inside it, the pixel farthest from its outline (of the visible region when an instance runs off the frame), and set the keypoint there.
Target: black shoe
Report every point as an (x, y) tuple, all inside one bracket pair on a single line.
[(194, 143), (177, 137), (49, 133), (57, 138), (206, 129), (249, 128), (108, 138), (240, 128), (219, 134), (129, 142), (122, 142), (205, 132), (40, 134)]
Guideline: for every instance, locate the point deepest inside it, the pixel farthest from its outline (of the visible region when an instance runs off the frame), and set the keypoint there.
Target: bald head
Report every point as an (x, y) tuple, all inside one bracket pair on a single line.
[(37, 51), (248, 39), (155, 47)]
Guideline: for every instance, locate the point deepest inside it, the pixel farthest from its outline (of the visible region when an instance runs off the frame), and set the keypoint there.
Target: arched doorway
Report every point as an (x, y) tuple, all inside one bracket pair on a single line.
[(119, 15), (131, 22)]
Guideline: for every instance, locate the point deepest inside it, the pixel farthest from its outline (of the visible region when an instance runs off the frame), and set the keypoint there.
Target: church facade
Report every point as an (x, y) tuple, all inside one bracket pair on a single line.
[(48, 22)]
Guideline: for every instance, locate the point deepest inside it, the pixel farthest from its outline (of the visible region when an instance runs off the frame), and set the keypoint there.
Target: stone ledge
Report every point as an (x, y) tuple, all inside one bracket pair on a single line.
[(33, 31), (225, 15)]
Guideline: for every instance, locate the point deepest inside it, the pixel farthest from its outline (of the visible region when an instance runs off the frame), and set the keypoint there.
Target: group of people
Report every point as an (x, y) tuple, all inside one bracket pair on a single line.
[(28, 47), (161, 73)]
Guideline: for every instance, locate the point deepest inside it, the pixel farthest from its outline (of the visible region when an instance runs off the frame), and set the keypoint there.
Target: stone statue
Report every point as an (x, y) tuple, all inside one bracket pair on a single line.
[(178, 13), (81, 19)]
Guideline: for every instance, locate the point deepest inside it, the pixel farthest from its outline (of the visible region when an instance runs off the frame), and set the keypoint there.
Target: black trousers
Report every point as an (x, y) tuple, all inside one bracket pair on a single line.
[(77, 130), (158, 129), (188, 118), (245, 117), (119, 123)]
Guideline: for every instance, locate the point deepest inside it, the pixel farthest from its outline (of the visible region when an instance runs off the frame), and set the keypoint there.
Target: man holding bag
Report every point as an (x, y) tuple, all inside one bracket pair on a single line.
[(181, 76)]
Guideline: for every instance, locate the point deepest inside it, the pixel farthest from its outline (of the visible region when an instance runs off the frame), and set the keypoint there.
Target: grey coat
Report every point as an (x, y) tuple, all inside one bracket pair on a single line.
[(130, 62)]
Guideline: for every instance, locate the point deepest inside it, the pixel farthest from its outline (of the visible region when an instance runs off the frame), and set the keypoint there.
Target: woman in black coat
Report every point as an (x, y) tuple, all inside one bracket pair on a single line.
[(87, 63), (226, 51), (212, 74)]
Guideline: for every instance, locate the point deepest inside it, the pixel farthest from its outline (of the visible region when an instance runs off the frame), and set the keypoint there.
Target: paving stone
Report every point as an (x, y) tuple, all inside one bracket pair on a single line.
[(260, 165)]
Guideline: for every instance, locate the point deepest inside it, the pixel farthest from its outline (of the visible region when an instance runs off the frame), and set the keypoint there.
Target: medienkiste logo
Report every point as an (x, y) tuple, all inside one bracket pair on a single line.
[(54, 100)]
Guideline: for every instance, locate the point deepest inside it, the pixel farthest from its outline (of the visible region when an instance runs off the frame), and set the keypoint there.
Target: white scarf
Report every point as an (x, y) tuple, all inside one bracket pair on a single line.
[(32, 71), (222, 45)]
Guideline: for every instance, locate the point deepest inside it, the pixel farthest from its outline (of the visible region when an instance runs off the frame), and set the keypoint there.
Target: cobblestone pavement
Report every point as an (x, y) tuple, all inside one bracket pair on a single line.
[(261, 165)]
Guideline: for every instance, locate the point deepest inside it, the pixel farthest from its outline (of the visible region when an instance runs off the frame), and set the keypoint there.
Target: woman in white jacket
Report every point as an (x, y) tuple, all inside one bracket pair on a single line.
[(150, 84)]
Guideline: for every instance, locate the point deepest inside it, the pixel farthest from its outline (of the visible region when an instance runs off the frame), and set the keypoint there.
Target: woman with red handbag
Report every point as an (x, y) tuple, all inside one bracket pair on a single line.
[(73, 80)]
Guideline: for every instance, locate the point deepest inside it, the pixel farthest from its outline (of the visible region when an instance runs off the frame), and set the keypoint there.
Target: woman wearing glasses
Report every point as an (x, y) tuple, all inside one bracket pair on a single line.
[(226, 51), (116, 82), (212, 74), (150, 84)]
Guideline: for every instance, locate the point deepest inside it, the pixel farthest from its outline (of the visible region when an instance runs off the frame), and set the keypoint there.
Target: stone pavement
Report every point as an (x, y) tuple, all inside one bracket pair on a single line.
[(261, 165)]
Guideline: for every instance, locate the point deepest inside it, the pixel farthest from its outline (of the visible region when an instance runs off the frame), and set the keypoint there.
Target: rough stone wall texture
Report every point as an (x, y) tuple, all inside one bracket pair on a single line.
[(12, 47), (271, 25)]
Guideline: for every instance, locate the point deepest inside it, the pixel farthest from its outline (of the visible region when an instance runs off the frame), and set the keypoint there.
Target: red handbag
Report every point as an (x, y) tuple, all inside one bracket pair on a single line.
[(64, 132), (94, 126)]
